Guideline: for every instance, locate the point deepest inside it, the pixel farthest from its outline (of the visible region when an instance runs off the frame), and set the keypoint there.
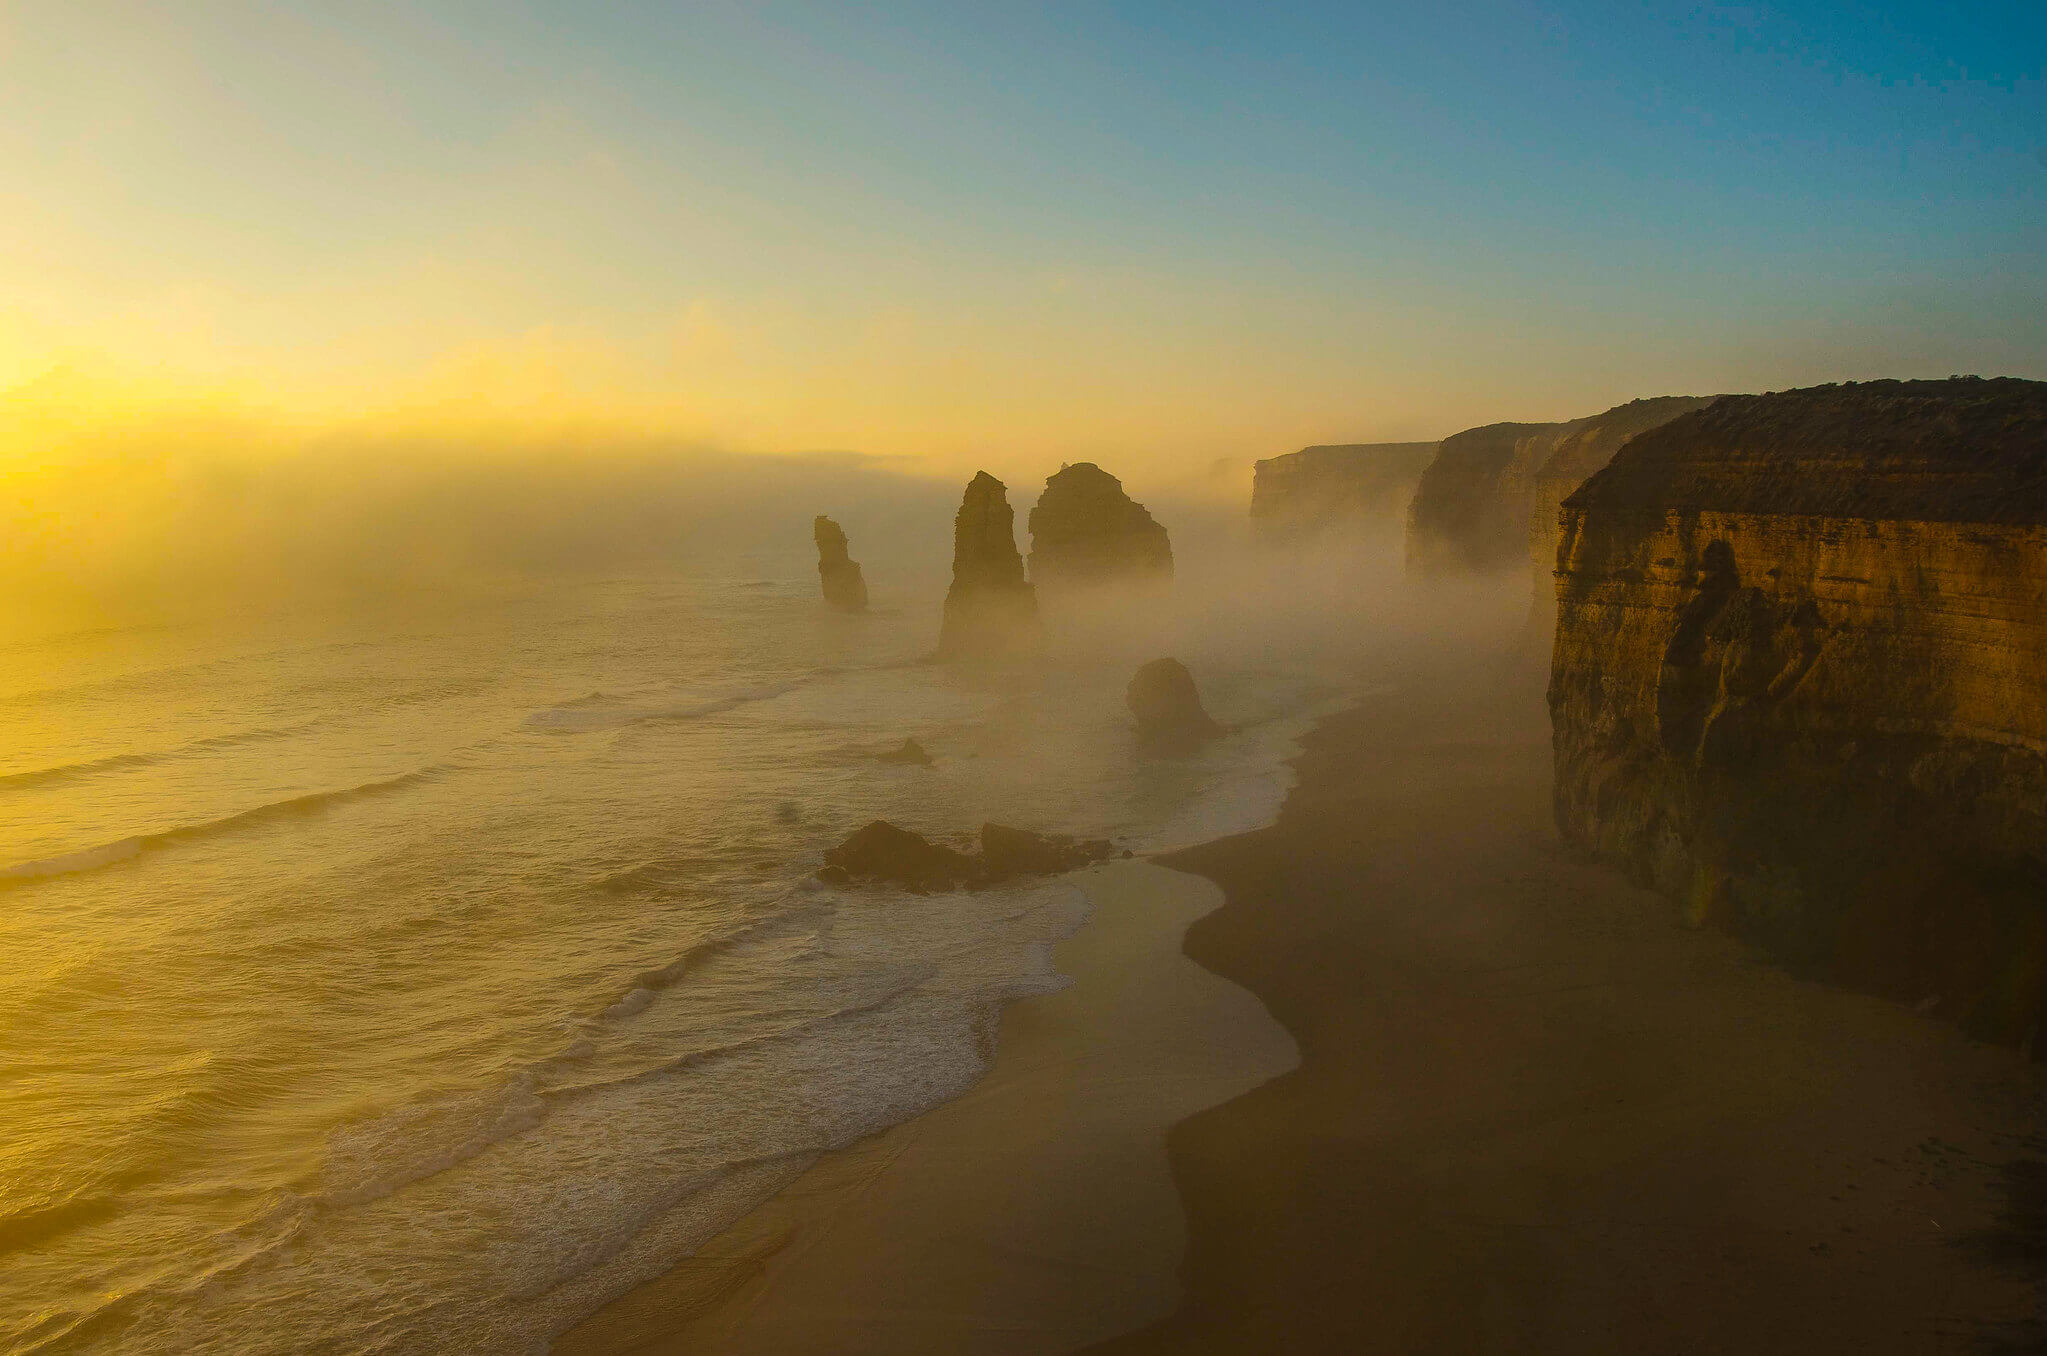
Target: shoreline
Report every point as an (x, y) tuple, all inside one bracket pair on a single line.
[(1535, 1112), (1036, 1212)]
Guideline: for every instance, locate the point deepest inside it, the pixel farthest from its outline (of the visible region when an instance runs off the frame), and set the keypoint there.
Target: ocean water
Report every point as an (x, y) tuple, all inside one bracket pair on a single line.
[(419, 979)]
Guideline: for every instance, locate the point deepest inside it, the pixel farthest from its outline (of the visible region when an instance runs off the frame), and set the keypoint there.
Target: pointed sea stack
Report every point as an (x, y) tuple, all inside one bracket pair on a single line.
[(844, 589), (1085, 532), (989, 609)]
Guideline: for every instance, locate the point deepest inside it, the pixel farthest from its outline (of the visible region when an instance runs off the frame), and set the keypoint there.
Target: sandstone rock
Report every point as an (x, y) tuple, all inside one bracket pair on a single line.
[(1019, 852), (989, 610), (881, 852), (1085, 531), (911, 753), (1170, 717), (844, 589), (1334, 490), (1800, 681)]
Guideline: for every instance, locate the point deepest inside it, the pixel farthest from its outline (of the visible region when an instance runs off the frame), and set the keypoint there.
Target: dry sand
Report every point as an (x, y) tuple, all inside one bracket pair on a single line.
[(1534, 1114), (1037, 1213)]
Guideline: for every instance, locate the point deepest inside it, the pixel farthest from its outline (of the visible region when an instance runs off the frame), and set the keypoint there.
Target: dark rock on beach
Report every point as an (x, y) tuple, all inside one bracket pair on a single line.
[(1170, 717), (883, 854), (1019, 852), (911, 753)]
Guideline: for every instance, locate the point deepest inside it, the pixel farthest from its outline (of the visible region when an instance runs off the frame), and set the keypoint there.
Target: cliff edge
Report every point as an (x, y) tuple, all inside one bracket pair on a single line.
[(1799, 682)]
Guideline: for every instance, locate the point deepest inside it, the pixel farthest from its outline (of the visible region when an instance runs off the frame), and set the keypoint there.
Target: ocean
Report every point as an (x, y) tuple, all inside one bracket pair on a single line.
[(418, 978)]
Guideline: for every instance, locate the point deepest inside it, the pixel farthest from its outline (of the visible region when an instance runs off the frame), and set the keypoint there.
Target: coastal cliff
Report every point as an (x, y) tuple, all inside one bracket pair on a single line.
[(1086, 532), (1492, 491), (1470, 509), (1335, 488), (1576, 457), (1799, 682), (989, 609)]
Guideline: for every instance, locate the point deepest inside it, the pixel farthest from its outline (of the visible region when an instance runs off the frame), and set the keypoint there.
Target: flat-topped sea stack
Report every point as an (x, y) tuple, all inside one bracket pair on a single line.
[(1336, 489), (844, 588), (990, 610), (1087, 533), (1800, 681), (1473, 508)]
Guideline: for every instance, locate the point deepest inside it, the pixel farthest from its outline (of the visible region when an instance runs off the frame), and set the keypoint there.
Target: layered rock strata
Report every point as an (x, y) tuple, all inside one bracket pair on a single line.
[(989, 610), (1336, 489), (1086, 532), (1800, 681), (837, 571), (1574, 459)]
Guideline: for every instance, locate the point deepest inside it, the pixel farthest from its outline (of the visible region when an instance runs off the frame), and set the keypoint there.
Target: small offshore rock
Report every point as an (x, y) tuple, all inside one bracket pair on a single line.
[(886, 853), (911, 753), (1167, 705)]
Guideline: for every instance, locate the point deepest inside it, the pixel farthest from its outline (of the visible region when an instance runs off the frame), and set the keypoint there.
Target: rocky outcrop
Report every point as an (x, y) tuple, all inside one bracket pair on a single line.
[(1170, 717), (883, 854), (989, 610), (911, 754), (1336, 489), (1473, 508), (1800, 681), (1086, 532), (844, 589)]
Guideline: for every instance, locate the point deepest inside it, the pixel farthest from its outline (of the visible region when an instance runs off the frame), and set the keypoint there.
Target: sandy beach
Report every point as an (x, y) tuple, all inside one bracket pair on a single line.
[(1533, 1112), (1036, 1213)]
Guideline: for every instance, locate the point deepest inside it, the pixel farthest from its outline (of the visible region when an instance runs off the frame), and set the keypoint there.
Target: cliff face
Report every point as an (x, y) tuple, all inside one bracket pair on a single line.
[(1085, 531), (989, 609), (1336, 488), (1573, 460), (1800, 681), (844, 588), (1470, 509)]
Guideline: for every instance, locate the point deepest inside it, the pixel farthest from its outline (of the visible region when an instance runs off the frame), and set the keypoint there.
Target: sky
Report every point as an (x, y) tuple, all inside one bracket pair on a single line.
[(949, 236)]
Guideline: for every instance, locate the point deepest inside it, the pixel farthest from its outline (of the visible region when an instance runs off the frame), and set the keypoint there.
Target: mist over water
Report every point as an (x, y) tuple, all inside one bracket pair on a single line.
[(421, 974)]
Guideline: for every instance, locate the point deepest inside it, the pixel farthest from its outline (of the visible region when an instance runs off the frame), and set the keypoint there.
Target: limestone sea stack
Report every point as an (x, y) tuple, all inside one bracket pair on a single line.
[(1800, 681), (844, 589), (1335, 490), (1086, 532), (989, 610), (1170, 717)]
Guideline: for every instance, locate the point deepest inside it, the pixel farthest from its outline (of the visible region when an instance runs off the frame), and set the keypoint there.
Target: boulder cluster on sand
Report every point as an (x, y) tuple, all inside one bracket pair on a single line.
[(844, 589), (1086, 532), (883, 854), (1170, 717), (990, 609)]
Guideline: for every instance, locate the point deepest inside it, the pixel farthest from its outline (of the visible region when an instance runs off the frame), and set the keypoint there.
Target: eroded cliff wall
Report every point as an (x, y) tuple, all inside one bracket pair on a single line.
[(1799, 681), (1470, 508), (1335, 489)]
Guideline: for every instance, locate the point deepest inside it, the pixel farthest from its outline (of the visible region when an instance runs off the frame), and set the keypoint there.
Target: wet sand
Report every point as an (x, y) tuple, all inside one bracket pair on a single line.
[(1037, 1213), (1536, 1114)]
